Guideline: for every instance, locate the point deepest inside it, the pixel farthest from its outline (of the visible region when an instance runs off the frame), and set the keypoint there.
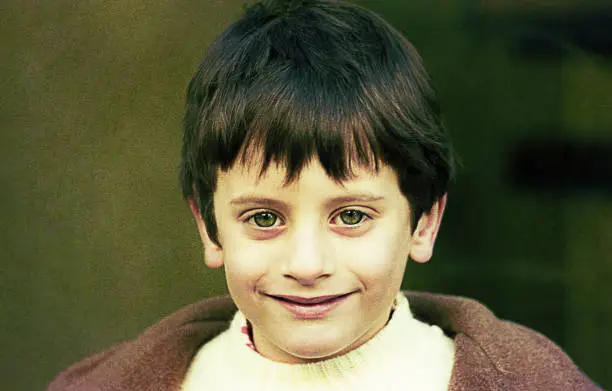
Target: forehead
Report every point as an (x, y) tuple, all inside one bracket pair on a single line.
[(242, 179)]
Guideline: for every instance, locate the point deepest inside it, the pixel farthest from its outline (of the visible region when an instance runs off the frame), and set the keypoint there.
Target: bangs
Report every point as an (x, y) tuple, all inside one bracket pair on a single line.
[(289, 125)]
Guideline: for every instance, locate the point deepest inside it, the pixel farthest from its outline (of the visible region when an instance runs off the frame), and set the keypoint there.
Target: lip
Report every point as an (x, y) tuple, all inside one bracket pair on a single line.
[(310, 300), (311, 307)]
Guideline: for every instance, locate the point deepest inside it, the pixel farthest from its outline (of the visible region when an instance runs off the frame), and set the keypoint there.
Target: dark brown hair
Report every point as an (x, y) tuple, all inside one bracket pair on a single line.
[(295, 80)]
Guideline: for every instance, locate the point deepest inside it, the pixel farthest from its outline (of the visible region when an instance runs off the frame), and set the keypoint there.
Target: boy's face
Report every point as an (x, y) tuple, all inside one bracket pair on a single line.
[(314, 238)]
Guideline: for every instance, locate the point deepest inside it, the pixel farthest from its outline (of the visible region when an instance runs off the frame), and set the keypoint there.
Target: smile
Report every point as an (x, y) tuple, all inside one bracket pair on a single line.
[(313, 307)]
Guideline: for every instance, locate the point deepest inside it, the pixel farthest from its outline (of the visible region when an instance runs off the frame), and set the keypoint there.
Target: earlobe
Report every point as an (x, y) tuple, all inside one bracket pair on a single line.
[(213, 254), (424, 236)]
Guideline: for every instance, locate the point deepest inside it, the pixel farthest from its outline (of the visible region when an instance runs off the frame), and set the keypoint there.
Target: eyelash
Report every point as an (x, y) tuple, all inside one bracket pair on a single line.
[(364, 217)]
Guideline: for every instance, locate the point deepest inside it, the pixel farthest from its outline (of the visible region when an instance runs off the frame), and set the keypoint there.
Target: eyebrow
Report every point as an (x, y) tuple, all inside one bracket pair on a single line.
[(274, 203)]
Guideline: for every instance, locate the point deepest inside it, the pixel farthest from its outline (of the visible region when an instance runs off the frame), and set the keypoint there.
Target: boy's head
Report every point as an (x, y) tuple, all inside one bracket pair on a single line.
[(316, 164)]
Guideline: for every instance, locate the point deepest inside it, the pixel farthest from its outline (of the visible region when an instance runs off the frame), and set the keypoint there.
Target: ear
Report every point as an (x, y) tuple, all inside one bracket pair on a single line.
[(425, 234), (213, 254)]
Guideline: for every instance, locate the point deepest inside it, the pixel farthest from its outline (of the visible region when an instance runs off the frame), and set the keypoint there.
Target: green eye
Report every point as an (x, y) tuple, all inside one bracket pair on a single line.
[(351, 217), (265, 219)]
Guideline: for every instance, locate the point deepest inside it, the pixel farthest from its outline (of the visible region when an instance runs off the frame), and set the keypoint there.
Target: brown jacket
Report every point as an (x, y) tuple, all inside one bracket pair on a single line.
[(490, 354)]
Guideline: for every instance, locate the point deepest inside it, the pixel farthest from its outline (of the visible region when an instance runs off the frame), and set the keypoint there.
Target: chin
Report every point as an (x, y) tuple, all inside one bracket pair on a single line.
[(305, 352)]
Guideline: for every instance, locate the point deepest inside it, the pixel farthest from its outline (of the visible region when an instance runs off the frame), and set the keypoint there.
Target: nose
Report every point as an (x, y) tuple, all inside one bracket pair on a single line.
[(308, 260)]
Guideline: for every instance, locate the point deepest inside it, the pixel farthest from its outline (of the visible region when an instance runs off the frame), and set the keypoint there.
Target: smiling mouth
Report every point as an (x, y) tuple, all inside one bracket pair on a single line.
[(310, 301), (311, 308)]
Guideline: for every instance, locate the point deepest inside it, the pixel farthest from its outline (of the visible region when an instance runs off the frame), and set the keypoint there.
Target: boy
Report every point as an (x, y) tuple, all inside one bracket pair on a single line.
[(315, 164)]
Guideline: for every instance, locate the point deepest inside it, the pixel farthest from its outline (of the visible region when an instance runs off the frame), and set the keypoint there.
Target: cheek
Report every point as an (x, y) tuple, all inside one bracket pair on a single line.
[(244, 261), (381, 256), (247, 262)]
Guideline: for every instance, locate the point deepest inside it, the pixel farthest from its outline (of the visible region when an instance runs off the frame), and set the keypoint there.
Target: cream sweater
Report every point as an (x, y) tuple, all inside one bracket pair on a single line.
[(406, 354)]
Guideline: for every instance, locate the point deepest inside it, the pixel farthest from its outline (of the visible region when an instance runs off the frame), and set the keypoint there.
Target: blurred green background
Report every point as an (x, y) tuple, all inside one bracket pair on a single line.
[(97, 243)]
